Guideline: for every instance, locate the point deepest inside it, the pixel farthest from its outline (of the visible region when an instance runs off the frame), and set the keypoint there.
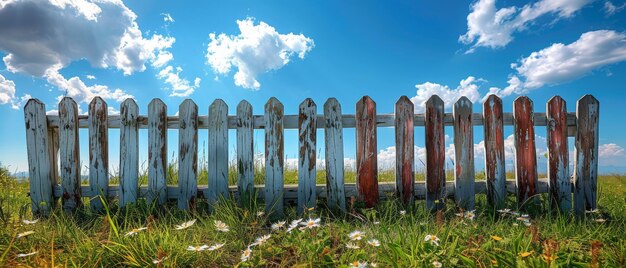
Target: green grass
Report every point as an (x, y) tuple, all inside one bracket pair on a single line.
[(89, 239)]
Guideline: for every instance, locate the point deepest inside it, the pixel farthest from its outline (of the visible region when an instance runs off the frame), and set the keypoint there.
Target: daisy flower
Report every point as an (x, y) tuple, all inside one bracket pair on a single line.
[(260, 240), (24, 234), (185, 225), (437, 264), (373, 242), (215, 247), (220, 226), (433, 239), (22, 255), (356, 235), (358, 264), (135, 231), (246, 254), (30, 222), (278, 225), (352, 246), (197, 248), (157, 261), (311, 223), (402, 212)]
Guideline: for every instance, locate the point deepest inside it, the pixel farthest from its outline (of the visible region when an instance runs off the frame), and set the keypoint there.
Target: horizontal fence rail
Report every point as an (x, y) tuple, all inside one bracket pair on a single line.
[(53, 142)]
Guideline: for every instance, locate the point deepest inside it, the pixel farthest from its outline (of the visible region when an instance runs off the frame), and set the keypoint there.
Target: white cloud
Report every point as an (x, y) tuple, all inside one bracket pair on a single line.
[(167, 17), (488, 26), (610, 9), (256, 50), (180, 87), (90, 77), (467, 87), (80, 92), (610, 150), (7, 90)]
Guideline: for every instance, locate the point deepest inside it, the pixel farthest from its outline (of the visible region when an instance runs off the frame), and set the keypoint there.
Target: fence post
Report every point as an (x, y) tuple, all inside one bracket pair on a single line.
[(464, 191), (366, 152), (586, 158), (274, 158), (187, 155), (307, 137), (129, 152), (69, 154), (405, 150), (435, 155), (559, 186), (98, 153), (217, 152), (525, 151), (494, 151), (39, 164), (333, 135), (245, 154), (157, 152)]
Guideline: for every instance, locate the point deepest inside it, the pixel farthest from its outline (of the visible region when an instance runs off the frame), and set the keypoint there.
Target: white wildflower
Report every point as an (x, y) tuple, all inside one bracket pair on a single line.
[(185, 225), (221, 226)]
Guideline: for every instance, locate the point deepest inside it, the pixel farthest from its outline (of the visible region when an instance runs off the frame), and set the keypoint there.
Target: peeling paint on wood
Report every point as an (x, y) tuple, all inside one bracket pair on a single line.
[(188, 155), (494, 152), (245, 154), (435, 155), (333, 135), (218, 152), (274, 157), (129, 152), (366, 152), (525, 150), (39, 162), (405, 149), (157, 152), (586, 155), (560, 188), (307, 138), (463, 154), (69, 154), (98, 152)]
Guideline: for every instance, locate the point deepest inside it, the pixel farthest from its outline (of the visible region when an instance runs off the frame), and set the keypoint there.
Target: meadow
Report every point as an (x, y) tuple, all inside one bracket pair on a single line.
[(390, 235)]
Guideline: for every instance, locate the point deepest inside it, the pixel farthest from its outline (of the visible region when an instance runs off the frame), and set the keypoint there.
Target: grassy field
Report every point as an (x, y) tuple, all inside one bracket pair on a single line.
[(491, 239)]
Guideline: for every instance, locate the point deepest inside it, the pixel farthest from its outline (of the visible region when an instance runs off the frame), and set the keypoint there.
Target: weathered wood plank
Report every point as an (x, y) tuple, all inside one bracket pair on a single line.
[(129, 152), (157, 152), (69, 154), (333, 135), (405, 150), (586, 156), (463, 154), (366, 152), (245, 154), (525, 150), (39, 162), (188, 155), (559, 193), (98, 152), (274, 157), (494, 152), (53, 150), (435, 154), (307, 139), (218, 152)]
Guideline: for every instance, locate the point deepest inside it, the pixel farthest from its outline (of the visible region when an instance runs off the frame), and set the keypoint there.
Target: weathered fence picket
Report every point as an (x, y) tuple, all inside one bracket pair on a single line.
[(49, 135)]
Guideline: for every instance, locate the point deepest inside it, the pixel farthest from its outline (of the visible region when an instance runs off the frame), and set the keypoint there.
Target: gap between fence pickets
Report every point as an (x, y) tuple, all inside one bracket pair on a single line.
[(385, 190), (291, 121)]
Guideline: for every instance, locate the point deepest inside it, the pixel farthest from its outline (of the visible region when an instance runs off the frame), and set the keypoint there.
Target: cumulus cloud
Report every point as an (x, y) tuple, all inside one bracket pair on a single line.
[(180, 87), (610, 150), (488, 26), (7, 90), (256, 50), (82, 93), (468, 87)]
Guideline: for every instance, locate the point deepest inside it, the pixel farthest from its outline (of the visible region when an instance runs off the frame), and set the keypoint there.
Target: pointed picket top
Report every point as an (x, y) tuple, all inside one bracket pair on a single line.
[(273, 102), (403, 100), (188, 103), (68, 102), (97, 101), (463, 102), (492, 99), (523, 102), (434, 101), (365, 101), (218, 103), (244, 105), (588, 99), (156, 101)]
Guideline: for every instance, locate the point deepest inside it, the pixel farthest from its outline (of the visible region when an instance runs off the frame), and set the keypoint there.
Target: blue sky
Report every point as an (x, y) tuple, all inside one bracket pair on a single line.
[(236, 50)]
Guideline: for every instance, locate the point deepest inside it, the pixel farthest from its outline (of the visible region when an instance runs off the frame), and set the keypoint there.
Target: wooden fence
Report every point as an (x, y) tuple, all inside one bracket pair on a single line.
[(54, 138)]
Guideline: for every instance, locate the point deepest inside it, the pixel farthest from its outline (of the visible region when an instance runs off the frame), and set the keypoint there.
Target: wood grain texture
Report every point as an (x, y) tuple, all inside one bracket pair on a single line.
[(560, 187), (218, 152), (274, 157), (157, 152), (405, 150), (98, 152), (333, 135), (307, 141), (435, 154), (39, 162), (463, 154), (245, 154), (366, 152), (586, 155), (525, 150), (129, 153), (495, 169), (69, 155), (188, 155)]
